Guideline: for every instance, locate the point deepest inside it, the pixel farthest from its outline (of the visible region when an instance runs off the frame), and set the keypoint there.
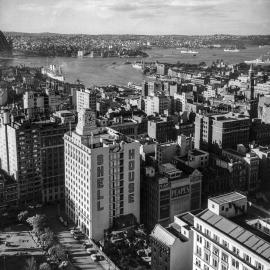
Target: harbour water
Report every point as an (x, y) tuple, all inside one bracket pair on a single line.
[(105, 71)]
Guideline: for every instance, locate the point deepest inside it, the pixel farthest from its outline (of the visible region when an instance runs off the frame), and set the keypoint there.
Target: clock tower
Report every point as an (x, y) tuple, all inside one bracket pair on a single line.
[(86, 122)]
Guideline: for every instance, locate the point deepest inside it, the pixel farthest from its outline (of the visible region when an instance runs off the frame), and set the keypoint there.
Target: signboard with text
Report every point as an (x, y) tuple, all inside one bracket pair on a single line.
[(180, 191)]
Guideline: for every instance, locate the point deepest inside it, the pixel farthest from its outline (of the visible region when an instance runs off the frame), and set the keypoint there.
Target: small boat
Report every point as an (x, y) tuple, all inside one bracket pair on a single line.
[(189, 52), (231, 50)]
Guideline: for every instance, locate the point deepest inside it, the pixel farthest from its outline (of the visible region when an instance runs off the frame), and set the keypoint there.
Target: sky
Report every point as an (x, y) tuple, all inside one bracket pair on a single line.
[(183, 17)]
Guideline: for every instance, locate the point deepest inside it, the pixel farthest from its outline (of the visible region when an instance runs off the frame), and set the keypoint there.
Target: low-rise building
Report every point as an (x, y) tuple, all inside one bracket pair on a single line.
[(172, 246), (223, 239)]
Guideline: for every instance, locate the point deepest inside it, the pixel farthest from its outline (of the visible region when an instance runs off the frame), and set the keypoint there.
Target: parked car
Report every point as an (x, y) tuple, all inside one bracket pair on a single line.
[(97, 257), (91, 251), (77, 237), (73, 231), (87, 245)]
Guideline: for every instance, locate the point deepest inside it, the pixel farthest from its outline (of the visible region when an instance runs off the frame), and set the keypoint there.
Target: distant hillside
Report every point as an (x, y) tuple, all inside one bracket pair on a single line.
[(4, 45)]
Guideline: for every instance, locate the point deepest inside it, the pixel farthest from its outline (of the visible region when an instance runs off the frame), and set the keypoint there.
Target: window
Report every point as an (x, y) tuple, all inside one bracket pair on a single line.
[(216, 238), (225, 244), (236, 250), (258, 265), (199, 227), (199, 238), (206, 257), (131, 187), (247, 258), (131, 153), (131, 198), (99, 159), (131, 176), (207, 232), (131, 165), (235, 263), (215, 263), (198, 262), (199, 251), (224, 257), (224, 267), (206, 244), (215, 250)]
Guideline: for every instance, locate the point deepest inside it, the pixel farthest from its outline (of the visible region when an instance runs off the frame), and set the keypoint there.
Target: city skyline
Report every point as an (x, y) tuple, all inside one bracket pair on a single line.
[(178, 17)]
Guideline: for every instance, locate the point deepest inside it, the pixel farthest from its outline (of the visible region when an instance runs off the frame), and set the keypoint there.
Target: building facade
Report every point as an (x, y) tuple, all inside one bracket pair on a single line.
[(102, 176), (168, 193), (86, 98), (223, 241), (218, 132)]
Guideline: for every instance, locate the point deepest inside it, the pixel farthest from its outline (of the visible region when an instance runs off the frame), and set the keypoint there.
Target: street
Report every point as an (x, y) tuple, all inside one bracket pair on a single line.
[(80, 258)]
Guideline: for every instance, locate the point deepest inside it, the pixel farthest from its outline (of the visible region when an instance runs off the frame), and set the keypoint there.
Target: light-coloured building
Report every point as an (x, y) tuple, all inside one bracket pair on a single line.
[(223, 240), (183, 97), (172, 247), (33, 101), (86, 98), (210, 92), (215, 132), (102, 176), (157, 104)]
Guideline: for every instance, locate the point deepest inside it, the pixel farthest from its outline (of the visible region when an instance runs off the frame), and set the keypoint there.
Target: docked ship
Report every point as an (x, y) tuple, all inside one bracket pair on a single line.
[(138, 65), (231, 50), (53, 72), (259, 61), (189, 52)]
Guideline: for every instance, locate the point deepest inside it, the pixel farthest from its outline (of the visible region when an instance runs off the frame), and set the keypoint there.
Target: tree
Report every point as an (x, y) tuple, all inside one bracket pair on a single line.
[(57, 252), (38, 223), (22, 216), (47, 238), (45, 266), (31, 264)]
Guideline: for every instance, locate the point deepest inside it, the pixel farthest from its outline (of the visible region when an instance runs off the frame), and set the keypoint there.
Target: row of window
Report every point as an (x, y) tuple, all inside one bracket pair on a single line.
[(226, 245)]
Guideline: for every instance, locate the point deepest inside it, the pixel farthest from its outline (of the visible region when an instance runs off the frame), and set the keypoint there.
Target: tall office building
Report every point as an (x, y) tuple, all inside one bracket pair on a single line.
[(223, 131), (224, 237), (33, 153), (86, 98), (102, 176), (20, 157)]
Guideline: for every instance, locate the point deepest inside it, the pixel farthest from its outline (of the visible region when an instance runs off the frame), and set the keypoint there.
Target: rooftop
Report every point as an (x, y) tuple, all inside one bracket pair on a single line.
[(163, 235), (245, 236), (197, 152), (226, 198)]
